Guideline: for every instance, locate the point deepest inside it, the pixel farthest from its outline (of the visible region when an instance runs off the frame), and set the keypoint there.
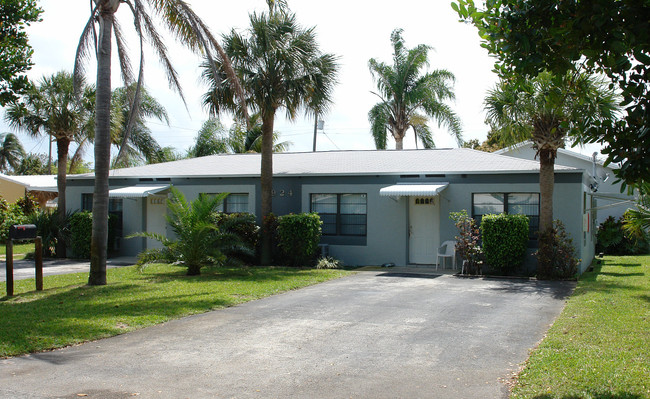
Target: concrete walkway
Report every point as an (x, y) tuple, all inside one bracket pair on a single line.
[(376, 334), (25, 268)]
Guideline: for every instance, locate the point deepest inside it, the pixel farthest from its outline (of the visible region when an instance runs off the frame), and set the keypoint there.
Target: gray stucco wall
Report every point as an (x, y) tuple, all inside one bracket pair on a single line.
[(387, 219)]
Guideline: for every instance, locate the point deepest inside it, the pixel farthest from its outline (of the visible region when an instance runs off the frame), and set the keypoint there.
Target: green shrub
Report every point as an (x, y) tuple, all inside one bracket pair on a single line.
[(328, 262), (557, 252), (505, 239), (10, 214), (81, 227), (299, 235), (613, 239)]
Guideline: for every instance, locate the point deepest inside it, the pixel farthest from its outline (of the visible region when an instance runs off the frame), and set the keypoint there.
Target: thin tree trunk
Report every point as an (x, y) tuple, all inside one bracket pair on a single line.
[(99, 240), (62, 146), (266, 251), (546, 183)]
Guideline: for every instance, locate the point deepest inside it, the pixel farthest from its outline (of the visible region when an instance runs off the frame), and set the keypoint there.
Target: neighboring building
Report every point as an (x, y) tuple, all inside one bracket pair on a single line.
[(42, 187), (377, 206), (607, 196)]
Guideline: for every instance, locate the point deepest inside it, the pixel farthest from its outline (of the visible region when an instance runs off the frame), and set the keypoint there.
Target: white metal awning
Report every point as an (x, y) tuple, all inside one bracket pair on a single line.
[(406, 190), (137, 191)]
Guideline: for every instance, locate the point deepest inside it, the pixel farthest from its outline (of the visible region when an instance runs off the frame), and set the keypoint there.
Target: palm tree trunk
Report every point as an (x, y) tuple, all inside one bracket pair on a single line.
[(62, 146), (546, 182), (99, 240), (266, 251)]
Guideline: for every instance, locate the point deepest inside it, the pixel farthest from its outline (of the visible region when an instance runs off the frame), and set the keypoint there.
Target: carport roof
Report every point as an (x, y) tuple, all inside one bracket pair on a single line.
[(341, 163)]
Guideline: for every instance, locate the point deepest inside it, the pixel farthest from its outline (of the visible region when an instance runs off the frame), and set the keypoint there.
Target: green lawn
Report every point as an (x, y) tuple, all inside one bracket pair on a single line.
[(20, 250), (68, 311), (600, 345)]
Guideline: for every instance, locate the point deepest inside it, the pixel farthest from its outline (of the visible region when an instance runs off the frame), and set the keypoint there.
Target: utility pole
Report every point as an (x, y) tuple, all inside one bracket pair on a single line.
[(318, 125)]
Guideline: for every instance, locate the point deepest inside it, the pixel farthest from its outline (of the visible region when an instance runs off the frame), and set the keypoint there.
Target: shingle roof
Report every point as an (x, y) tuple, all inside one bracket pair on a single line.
[(329, 163)]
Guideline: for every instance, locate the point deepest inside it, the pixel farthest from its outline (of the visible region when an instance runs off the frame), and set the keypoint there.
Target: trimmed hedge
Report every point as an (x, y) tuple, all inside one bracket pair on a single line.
[(505, 239), (81, 227), (298, 237)]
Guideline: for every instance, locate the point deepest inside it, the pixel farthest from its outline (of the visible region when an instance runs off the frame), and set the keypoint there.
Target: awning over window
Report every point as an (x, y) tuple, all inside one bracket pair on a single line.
[(137, 191), (409, 190)]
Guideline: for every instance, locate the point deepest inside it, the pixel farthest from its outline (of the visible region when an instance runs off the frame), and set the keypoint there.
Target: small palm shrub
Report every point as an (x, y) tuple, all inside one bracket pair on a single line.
[(559, 255), (613, 239), (505, 239), (199, 240), (243, 226), (328, 262), (298, 237), (48, 227)]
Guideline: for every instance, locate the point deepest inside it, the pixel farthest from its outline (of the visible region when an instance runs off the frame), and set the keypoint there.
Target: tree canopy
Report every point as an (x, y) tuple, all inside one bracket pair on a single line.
[(604, 36), (15, 51)]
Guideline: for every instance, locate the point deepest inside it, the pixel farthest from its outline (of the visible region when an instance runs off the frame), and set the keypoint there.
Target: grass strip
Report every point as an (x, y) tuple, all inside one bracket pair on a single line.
[(68, 311), (599, 347)]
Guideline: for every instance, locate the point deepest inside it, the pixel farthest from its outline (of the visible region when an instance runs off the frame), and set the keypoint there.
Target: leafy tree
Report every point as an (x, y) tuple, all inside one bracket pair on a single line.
[(188, 29), (548, 113), (603, 36), (408, 99), (198, 237), (492, 143), (15, 51), (33, 164), (280, 66), (51, 108), (11, 151)]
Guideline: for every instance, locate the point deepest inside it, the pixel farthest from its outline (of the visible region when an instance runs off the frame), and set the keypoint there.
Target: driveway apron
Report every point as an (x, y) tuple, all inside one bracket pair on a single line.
[(370, 335)]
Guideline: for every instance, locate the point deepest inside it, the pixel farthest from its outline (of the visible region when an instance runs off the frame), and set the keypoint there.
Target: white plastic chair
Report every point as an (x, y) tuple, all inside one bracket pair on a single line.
[(447, 250)]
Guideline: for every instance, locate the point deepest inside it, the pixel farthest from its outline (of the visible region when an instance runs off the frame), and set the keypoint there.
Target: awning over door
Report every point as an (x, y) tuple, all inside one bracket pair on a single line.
[(409, 190), (137, 191)]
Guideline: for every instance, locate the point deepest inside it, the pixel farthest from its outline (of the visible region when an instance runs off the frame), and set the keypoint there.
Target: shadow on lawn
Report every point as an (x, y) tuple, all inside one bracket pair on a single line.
[(595, 395), (58, 320), (214, 273)]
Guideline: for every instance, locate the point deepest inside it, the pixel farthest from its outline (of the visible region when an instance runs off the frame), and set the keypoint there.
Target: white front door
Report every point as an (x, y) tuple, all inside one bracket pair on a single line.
[(424, 222), (156, 221)]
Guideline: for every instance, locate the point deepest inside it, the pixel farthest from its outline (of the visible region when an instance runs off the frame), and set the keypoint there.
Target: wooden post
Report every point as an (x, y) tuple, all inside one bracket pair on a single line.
[(38, 262), (10, 267)]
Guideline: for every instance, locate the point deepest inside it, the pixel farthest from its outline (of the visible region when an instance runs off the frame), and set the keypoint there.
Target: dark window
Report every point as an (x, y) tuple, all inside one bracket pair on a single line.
[(512, 203), (114, 208), (233, 203), (342, 214)]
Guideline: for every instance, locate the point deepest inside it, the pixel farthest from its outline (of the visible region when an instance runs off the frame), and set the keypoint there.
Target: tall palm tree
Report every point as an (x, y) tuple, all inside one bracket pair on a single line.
[(51, 108), (408, 99), (548, 110), (11, 151), (141, 145), (213, 138), (280, 66), (99, 31), (243, 140)]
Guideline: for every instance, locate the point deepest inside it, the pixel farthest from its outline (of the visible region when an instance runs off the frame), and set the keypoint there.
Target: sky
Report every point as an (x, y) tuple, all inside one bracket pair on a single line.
[(355, 31)]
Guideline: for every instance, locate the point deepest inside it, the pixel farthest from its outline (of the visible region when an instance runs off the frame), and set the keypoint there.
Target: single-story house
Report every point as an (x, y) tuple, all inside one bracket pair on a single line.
[(377, 206), (42, 187), (607, 195)]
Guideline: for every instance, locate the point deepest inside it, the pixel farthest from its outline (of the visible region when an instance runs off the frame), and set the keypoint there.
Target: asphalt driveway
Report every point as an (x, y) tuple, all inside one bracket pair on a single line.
[(371, 335)]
